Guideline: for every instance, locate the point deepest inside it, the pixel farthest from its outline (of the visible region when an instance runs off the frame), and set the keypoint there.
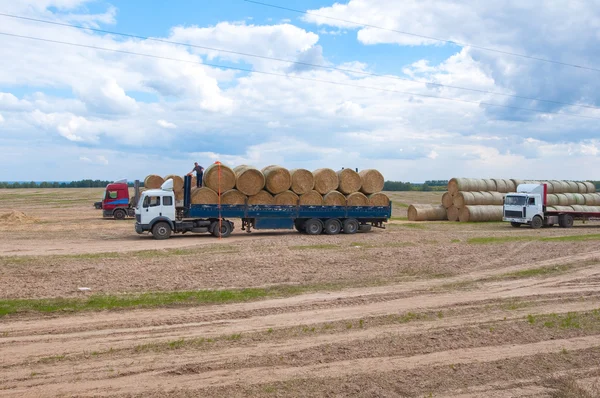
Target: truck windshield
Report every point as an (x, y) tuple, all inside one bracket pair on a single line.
[(515, 200)]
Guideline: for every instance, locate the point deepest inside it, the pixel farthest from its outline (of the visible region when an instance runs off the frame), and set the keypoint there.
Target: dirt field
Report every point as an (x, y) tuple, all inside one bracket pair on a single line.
[(433, 309)]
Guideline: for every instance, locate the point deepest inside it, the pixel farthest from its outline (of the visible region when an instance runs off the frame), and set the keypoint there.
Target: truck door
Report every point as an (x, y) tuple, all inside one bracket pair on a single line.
[(168, 207), (533, 207), (151, 208)]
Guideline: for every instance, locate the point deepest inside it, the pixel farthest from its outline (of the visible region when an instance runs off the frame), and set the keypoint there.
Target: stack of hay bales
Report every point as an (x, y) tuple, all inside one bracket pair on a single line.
[(275, 185), (478, 200)]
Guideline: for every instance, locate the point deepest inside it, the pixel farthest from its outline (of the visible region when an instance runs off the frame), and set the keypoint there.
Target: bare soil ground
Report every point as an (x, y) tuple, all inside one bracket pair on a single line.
[(416, 310)]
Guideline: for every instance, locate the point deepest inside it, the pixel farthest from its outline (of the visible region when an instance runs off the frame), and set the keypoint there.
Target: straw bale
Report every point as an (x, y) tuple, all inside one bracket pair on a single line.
[(311, 198), (233, 197), (573, 188), (563, 208), (357, 199), (579, 199), (261, 198), (592, 199), (203, 196), (578, 208), (349, 181), (559, 186), (287, 198), (552, 200), (326, 180), (420, 212), (480, 213), (510, 186), (581, 187), (303, 181), (571, 199), (277, 179), (218, 183), (334, 198), (194, 181), (500, 185), (490, 185), (516, 183), (461, 199), (479, 198), (248, 180), (447, 199), (371, 181), (153, 181), (591, 188), (549, 186), (452, 213), (178, 195), (466, 185), (378, 199)]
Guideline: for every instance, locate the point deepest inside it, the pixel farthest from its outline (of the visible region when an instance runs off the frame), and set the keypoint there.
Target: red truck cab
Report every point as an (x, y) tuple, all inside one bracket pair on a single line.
[(116, 201)]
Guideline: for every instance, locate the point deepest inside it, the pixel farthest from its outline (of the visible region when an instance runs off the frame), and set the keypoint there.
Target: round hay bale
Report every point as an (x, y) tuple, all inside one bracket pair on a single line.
[(563, 200), (233, 197), (303, 181), (261, 198), (203, 196), (378, 199), (447, 199), (571, 200), (592, 199), (479, 198), (490, 185), (579, 208), (551, 200), (549, 186), (510, 186), (591, 188), (550, 208), (349, 181), (177, 182), (456, 185), (419, 212), (248, 180), (311, 198), (461, 199), (581, 187), (194, 181), (500, 185), (480, 213), (371, 181), (334, 198), (497, 199), (357, 199), (153, 181), (579, 199), (219, 178), (287, 198), (326, 180), (277, 179), (488, 198), (563, 208), (516, 184), (178, 195), (452, 213), (573, 188), (559, 186)]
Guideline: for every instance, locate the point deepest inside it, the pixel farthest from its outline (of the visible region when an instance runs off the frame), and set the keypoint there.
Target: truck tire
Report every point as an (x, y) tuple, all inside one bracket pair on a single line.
[(333, 226), (222, 229), (161, 230), (515, 224), (565, 220), (299, 225), (350, 226), (314, 226), (119, 214), (537, 222)]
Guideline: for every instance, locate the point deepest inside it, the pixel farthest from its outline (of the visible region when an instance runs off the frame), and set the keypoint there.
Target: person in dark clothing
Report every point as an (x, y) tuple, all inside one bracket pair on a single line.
[(199, 173)]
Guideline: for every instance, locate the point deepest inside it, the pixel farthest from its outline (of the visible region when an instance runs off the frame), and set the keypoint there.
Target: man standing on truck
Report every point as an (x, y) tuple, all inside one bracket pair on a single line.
[(199, 173)]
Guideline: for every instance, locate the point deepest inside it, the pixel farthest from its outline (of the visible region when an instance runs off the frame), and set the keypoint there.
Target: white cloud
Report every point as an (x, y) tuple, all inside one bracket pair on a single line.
[(102, 159), (1, 119), (85, 159), (166, 125)]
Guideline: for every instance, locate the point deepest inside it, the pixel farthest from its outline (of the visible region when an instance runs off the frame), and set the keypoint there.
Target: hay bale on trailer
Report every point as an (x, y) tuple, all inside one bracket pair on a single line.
[(579, 198), (349, 181), (419, 212), (573, 187), (592, 199), (233, 197), (581, 187), (203, 196), (303, 181), (501, 185), (261, 198), (447, 199), (287, 198), (277, 179), (334, 198), (480, 213), (357, 199), (378, 199), (178, 195), (219, 178), (371, 181), (552, 200), (591, 188), (153, 181), (177, 182), (248, 180), (326, 180), (490, 185), (452, 213), (311, 198)]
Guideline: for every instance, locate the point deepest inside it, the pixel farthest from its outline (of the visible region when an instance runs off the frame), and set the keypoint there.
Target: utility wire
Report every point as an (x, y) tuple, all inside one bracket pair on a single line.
[(345, 70), (423, 36), (292, 76)]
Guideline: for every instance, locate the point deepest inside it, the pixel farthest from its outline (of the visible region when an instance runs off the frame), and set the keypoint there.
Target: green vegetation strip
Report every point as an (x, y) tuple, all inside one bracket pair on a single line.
[(505, 239)]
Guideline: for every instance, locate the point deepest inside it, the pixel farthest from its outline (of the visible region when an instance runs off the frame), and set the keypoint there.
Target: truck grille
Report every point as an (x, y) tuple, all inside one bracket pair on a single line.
[(513, 213)]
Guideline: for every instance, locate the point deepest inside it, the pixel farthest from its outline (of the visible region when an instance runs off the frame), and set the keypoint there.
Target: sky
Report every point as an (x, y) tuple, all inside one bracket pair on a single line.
[(349, 84)]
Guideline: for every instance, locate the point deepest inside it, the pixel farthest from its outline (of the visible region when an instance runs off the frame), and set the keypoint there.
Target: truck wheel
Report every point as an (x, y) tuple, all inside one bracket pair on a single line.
[(350, 226), (515, 224), (537, 222), (161, 230), (119, 214), (565, 221), (223, 230), (313, 226), (299, 225), (333, 226)]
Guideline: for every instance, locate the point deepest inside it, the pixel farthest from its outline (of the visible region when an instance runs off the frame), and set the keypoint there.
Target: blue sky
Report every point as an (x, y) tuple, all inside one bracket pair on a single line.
[(83, 113)]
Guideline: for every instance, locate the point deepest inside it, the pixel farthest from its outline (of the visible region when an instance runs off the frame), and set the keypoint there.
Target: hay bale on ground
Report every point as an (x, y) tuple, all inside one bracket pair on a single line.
[(334, 198), (303, 181), (153, 181), (357, 199), (419, 212), (261, 198), (219, 178), (452, 213), (326, 180), (480, 213), (277, 179), (371, 181), (378, 199), (16, 216), (447, 199), (461, 199), (311, 198), (203, 196), (177, 182), (349, 181), (233, 197), (287, 198), (591, 188), (466, 185), (248, 180)]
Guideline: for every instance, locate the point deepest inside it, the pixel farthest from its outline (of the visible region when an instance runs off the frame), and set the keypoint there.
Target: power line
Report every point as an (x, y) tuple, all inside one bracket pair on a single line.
[(292, 77), (424, 36), (345, 70)]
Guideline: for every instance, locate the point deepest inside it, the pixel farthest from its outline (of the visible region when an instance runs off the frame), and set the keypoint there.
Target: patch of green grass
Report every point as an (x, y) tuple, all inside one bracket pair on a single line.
[(400, 204), (571, 238), (455, 241), (531, 319), (411, 225), (399, 218), (531, 272), (315, 247), (505, 239)]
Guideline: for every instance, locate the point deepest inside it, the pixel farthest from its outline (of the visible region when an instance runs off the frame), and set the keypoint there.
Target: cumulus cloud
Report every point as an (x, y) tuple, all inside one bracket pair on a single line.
[(166, 125), (1, 119)]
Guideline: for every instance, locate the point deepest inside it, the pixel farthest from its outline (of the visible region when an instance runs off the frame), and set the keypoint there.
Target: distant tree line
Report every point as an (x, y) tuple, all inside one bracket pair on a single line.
[(430, 185), (50, 184)]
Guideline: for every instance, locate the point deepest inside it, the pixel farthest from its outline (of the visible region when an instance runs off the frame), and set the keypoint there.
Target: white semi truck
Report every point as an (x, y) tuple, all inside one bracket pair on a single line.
[(529, 206)]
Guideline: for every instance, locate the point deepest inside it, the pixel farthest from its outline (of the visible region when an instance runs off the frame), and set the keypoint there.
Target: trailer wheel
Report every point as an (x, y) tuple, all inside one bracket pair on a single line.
[(313, 226), (223, 230), (119, 214), (565, 220), (537, 222), (161, 230), (333, 226), (350, 226), (515, 224)]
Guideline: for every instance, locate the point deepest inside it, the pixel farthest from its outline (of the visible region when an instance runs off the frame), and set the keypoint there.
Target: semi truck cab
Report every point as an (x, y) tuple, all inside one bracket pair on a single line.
[(528, 207), (156, 206), (116, 201)]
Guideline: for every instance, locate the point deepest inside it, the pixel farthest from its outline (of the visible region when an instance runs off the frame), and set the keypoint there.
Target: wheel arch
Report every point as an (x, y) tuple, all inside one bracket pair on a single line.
[(165, 219)]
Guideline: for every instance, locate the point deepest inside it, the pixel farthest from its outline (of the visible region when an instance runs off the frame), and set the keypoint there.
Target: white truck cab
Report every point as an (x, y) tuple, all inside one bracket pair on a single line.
[(156, 210), (526, 206)]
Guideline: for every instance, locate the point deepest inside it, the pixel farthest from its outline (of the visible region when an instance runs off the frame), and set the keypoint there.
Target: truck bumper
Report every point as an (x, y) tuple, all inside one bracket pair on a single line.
[(513, 219), (141, 228)]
